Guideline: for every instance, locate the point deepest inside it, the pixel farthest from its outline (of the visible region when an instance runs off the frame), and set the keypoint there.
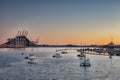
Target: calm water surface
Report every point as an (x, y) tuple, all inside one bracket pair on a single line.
[(14, 66)]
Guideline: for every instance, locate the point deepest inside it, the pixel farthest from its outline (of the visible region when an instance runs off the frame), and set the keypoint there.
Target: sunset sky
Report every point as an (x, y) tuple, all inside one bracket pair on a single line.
[(62, 21)]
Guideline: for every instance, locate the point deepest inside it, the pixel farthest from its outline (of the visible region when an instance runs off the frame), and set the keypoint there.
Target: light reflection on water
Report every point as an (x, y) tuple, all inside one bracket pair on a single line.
[(13, 66)]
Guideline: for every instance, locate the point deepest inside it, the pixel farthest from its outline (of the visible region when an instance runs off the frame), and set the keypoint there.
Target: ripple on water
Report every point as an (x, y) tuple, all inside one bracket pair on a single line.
[(13, 66)]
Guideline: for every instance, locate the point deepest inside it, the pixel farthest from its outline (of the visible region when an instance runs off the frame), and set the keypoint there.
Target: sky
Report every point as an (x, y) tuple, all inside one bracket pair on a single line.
[(61, 21)]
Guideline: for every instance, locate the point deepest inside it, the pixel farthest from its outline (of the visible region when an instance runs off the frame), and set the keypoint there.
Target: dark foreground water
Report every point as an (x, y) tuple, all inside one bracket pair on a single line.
[(14, 66)]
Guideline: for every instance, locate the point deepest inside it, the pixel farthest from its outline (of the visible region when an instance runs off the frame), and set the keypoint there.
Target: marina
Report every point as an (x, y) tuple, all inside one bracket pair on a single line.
[(15, 66)]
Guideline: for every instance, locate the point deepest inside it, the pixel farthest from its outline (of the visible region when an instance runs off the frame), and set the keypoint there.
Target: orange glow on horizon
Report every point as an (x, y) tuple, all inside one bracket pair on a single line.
[(61, 39), (68, 36)]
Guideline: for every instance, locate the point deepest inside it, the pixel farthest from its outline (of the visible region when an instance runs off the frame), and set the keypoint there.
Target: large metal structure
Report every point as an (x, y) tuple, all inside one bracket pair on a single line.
[(20, 41), (22, 33)]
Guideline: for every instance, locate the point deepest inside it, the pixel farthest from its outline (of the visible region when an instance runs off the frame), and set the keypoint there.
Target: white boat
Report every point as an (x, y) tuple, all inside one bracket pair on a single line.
[(32, 59), (84, 61), (57, 55)]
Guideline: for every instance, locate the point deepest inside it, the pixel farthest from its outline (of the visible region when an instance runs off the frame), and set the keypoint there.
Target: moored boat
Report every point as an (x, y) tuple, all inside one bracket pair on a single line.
[(85, 62), (64, 52), (57, 55), (32, 58)]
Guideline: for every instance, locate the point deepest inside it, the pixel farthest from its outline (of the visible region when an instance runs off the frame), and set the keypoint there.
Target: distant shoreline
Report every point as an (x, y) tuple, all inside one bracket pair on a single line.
[(70, 45), (50, 46)]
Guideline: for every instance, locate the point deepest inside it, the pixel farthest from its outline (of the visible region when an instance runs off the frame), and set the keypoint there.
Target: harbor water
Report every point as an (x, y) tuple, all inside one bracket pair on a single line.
[(14, 66)]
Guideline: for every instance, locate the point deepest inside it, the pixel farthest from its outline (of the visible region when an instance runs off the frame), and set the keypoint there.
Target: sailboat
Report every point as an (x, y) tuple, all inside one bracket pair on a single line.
[(84, 61), (32, 58)]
